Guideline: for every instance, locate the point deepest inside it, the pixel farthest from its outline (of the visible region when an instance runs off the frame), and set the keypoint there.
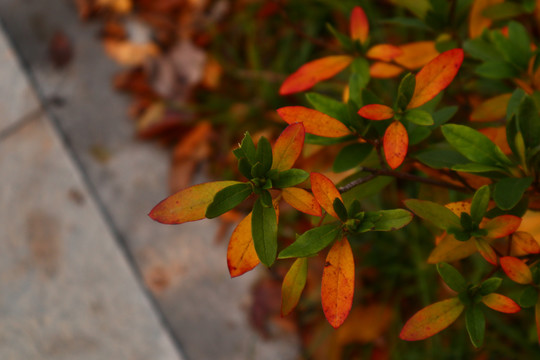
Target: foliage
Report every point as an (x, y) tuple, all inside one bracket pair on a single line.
[(456, 142)]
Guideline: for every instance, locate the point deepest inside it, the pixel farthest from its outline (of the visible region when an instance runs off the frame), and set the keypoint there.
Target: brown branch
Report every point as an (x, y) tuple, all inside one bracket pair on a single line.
[(402, 176)]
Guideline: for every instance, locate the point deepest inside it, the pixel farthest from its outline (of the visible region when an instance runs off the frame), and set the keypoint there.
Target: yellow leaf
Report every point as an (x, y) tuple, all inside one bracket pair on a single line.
[(189, 204)]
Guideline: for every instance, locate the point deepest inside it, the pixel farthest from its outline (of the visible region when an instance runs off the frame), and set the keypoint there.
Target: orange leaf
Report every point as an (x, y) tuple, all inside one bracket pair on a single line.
[(477, 22), (432, 319), (516, 270), (301, 200), (417, 54), (524, 243), (449, 250), (189, 204), (288, 147), (376, 112), (359, 24), (501, 226), (436, 76), (395, 143), (293, 284), (241, 254), (501, 303), (459, 206), (492, 109), (486, 251), (325, 192), (337, 286), (382, 70), (384, 52), (498, 136), (312, 72), (315, 122)]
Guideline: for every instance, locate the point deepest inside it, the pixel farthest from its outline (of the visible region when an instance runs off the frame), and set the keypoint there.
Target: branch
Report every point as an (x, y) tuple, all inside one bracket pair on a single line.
[(403, 176)]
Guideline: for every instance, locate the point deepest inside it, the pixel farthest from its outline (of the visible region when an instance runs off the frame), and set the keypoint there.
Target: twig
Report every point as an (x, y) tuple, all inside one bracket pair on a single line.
[(403, 176)]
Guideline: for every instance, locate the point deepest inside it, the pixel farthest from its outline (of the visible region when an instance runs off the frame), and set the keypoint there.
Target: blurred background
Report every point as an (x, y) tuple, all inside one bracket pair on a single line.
[(106, 108)]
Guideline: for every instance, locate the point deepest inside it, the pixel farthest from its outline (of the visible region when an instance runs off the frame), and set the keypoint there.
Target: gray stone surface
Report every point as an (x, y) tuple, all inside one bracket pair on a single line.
[(66, 289), (15, 88), (183, 265)]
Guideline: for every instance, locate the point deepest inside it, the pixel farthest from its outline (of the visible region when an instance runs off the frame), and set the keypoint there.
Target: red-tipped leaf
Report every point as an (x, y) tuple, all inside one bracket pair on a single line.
[(313, 72), (516, 270), (501, 226), (337, 286), (288, 147), (315, 122), (189, 204), (432, 319), (501, 303), (359, 25), (395, 144), (436, 76), (523, 243), (376, 112), (241, 254), (486, 251), (325, 192)]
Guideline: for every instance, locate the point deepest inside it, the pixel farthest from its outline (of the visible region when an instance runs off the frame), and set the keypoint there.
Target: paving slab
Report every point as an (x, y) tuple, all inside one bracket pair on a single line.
[(66, 288), (182, 265)]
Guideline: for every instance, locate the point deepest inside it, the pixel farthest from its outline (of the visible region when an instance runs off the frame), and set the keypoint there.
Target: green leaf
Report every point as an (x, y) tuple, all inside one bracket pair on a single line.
[(480, 203), (480, 49), (228, 198), (343, 39), (477, 168), (386, 220), (529, 122), (509, 191), (264, 154), (505, 10), (266, 198), (366, 189), (417, 133), (518, 35), (474, 145), (328, 106), (405, 91), (290, 178), (248, 147), (264, 232), (321, 140), (442, 116), (404, 22), (340, 209), (245, 167), (418, 117), (495, 69), (359, 78), (440, 158), (514, 103), (452, 277), (312, 241), (351, 155), (510, 50), (528, 297), (476, 324), (490, 285), (439, 215)]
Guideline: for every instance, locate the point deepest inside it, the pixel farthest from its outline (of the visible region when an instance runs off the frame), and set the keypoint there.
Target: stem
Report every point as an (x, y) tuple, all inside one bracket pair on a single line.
[(403, 176)]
